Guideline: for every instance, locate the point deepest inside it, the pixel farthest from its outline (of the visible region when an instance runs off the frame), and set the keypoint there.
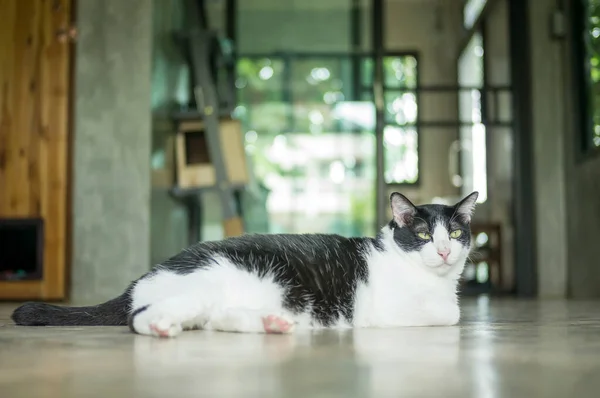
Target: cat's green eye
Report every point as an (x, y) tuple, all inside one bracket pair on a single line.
[(424, 235), (456, 233)]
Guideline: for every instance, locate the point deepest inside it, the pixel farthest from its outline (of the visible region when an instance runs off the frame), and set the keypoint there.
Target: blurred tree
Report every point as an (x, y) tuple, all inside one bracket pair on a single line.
[(593, 50), (285, 96)]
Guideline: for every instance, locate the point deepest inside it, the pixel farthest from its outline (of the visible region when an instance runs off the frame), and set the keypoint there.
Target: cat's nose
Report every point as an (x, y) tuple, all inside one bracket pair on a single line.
[(444, 254)]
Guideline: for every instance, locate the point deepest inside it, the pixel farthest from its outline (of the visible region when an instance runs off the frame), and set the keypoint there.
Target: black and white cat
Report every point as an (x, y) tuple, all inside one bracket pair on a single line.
[(406, 276)]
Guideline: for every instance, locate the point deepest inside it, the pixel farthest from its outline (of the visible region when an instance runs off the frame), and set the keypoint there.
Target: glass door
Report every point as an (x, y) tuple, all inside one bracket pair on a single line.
[(310, 136), (472, 151), (472, 136), (484, 152)]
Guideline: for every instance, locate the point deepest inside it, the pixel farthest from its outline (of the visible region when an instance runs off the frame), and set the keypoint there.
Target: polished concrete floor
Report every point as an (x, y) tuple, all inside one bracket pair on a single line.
[(503, 348)]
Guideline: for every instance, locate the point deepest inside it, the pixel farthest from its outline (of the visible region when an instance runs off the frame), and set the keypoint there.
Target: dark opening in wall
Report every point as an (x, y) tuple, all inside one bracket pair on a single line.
[(21, 248)]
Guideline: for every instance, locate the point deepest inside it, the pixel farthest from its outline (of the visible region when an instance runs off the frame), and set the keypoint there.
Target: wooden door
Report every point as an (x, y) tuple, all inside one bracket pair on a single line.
[(34, 132)]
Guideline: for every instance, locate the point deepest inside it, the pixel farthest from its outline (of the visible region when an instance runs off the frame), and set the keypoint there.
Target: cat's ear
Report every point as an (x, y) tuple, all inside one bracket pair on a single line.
[(402, 209), (466, 207)]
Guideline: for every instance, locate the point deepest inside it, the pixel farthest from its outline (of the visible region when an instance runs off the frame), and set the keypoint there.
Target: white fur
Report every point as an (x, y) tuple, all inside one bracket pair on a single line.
[(404, 289), (410, 289), (441, 241), (221, 297)]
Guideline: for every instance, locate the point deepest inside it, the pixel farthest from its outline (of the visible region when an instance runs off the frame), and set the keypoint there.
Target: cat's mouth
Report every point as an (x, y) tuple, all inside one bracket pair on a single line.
[(437, 265)]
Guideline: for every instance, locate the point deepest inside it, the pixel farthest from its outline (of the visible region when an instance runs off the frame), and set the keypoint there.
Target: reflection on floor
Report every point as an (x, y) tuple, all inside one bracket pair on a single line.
[(502, 349)]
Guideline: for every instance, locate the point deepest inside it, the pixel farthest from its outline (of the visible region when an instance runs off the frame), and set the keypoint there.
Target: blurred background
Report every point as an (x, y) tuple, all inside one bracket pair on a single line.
[(131, 129)]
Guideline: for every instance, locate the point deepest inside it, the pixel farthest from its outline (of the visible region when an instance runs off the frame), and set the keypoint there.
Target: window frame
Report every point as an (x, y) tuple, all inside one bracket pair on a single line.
[(584, 124), (416, 125), (360, 89)]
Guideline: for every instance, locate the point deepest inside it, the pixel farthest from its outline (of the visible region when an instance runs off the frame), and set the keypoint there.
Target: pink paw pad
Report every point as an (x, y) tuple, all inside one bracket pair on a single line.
[(276, 324), (159, 332)]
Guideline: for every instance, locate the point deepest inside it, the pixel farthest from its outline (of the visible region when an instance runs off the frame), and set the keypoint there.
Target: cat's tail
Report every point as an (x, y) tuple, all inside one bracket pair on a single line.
[(112, 313)]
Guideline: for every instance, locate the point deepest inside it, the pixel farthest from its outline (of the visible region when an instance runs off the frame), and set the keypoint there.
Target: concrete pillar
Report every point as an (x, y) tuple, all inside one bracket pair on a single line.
[(583, 188), (112, 141), (549, 151)]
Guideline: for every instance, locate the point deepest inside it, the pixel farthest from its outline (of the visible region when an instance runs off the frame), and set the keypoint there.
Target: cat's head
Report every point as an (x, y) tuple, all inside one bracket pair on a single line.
[(439, 235)]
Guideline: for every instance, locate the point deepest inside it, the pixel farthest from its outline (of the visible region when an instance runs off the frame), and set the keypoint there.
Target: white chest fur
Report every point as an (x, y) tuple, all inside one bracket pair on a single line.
[(401, 292)]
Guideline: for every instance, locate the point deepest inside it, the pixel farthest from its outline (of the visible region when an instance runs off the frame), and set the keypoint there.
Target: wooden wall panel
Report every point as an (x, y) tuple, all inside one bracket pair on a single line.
[(34, 127)]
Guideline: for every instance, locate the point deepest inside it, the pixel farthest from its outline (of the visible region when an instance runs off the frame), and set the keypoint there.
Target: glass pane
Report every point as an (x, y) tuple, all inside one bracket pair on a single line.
[(320, 87), (259, 80), (366, 96), (400, 108), (401, 156), (473, 148), (593, 53), (317, 84), (400, 72), (472, 10), (321, 183), (315, 77), (314, 26), (311, 148), (260, 84), (367, 72)]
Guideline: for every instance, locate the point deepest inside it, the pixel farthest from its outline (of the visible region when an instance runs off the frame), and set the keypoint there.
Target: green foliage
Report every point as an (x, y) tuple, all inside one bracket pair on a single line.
[(362, 212), (252, 87), (398, 72), (593, 50), (278, 100)]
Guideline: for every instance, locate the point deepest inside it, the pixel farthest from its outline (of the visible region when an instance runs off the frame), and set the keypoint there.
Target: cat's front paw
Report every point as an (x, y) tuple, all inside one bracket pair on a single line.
[(165, 328), (276, 324), (153, 324)]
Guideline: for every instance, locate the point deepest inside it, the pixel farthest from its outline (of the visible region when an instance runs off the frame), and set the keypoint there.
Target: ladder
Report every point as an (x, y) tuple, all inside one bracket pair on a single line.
[(199, 41)]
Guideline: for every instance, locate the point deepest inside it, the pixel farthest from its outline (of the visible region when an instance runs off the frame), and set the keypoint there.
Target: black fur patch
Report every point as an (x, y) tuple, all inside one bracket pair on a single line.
[(112, 313), (424, 221), (133, 315), (319, 272)]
